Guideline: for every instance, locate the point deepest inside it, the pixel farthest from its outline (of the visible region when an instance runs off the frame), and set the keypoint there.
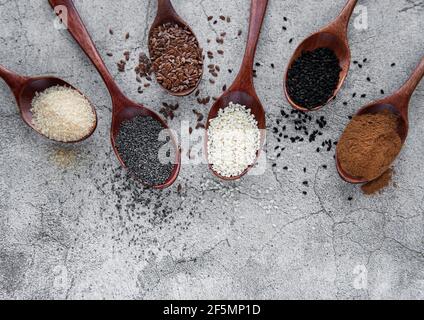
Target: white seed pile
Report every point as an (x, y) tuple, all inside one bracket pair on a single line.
[(62, 114), (233, 140)]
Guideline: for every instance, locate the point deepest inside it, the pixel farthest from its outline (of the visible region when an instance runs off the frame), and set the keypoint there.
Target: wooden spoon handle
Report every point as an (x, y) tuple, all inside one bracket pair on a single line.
[(165, 8), (341, 23), (13, 80), (77, 29), (257, 15), (411, 84)]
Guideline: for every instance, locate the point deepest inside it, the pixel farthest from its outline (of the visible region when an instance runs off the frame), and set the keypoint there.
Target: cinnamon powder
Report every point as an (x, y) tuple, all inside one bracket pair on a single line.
[(376, 185), (369, 145)]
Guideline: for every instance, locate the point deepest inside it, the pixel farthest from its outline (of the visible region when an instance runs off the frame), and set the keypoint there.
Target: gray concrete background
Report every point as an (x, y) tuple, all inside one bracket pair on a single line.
[(83, 230)]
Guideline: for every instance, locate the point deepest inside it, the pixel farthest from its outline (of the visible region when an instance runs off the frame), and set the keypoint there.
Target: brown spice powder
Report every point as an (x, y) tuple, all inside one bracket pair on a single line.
[(369, 145), (376, 185)]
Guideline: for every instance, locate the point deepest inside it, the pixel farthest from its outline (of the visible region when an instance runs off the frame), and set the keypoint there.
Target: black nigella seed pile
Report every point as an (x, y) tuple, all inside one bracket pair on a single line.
[(139, 147), (313, 77)]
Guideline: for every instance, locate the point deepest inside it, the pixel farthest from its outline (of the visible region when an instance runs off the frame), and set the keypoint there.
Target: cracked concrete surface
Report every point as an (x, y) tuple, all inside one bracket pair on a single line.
[(84, 230)]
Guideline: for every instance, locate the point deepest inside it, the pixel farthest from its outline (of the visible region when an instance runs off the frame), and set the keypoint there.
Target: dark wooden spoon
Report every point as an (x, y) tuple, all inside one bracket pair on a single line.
[(167, 14), (398, 103), (334, 37), (242, 91), (24, 90), (123, 109)]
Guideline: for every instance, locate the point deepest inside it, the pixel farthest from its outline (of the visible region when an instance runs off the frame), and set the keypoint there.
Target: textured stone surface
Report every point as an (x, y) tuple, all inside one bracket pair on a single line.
[(81, 229)]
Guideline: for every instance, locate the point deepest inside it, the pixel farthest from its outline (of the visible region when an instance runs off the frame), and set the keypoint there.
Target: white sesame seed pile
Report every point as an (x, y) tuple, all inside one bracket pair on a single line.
[(233, 140), (62, 114)]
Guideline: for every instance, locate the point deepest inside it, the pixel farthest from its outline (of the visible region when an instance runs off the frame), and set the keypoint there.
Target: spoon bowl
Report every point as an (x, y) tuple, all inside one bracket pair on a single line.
[(167, 14), (242, 91), (397, 104), (123, 109), (25, 90), (255, 107), (334, 37), (129, 110)]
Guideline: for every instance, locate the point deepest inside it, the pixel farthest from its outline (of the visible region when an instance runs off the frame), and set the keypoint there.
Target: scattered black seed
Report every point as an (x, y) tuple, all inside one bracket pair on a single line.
[(272, 66), (393, 64), (363, 95), (360, 65), (350, 198), (291, 40), (382, 91), (313, 77), (345, 103), (324, 166), (355, 62), (284, 28), (286, 168), (138, 145), (368, 79), (354, 95), (285, 18), (365, 60)]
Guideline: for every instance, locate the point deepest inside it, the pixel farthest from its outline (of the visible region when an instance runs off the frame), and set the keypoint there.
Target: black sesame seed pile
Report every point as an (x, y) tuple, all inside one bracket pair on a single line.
[(139, 146), (313, 78)]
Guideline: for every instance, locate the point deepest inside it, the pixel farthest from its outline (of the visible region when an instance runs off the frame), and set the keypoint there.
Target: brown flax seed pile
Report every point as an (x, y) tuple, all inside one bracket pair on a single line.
[(176, 56)]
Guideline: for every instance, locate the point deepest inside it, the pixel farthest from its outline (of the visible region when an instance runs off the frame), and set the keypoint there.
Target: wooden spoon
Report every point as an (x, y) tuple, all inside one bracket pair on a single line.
[(123, 109), (334, 37), (167, 14), (398, 104), (25, 89), (242, 91)]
